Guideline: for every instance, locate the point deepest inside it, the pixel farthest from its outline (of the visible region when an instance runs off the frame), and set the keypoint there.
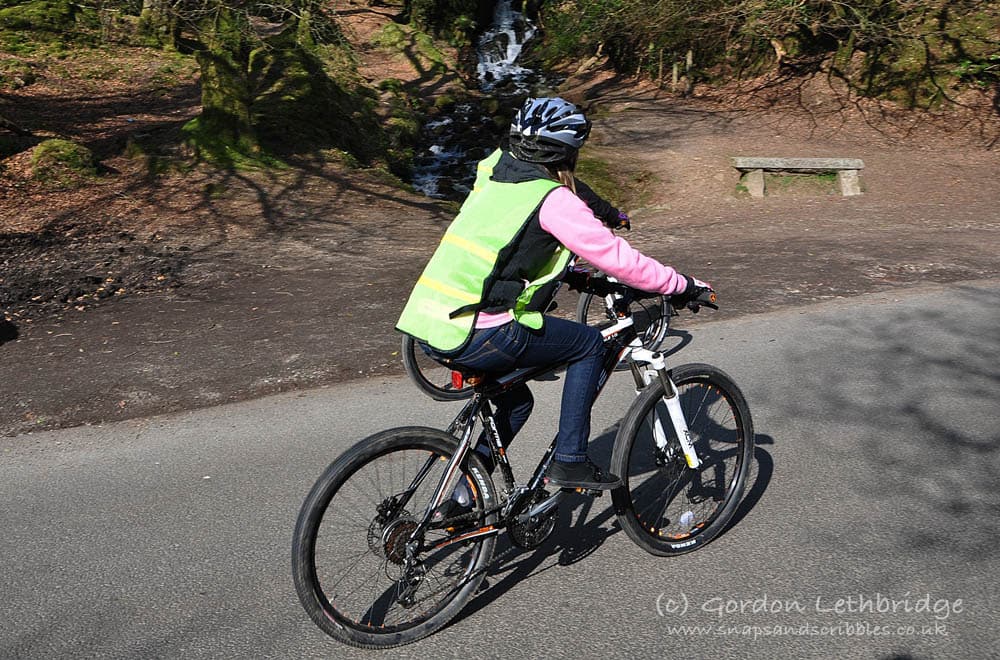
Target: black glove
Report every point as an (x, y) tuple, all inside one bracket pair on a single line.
[(695, 294), (577, 278)]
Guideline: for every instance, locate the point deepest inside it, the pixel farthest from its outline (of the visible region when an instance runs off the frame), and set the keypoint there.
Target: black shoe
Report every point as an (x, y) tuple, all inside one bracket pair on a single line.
[(581, 475)]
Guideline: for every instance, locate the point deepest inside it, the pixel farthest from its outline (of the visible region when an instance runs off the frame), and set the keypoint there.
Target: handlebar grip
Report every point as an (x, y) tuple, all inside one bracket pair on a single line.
[(702, 297), (707, 298)]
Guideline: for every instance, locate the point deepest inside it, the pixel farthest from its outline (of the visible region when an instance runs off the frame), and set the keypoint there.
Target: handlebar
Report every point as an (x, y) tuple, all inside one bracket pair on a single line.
[(600, 285)]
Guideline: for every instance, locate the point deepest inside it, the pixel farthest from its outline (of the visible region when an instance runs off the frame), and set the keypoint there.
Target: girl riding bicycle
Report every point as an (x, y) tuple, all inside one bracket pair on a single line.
[(480, 300)]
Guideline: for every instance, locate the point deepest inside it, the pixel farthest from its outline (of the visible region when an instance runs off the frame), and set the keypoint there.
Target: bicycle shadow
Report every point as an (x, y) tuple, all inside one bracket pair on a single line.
[(577, 535), (757, 482), (683, 336), (568, 544), (8, 331)]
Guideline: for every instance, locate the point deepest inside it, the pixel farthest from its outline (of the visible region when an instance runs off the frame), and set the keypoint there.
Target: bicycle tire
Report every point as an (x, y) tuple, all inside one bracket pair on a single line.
[(431, 377), (670, 509), (652, 319), (344, 543)]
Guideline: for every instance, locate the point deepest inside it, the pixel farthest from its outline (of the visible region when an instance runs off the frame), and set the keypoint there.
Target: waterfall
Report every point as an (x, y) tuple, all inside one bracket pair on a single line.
[(500, 47), (446, 168)]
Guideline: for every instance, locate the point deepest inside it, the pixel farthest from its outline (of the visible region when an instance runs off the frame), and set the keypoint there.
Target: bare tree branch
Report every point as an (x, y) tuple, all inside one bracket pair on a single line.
[(11, 126)]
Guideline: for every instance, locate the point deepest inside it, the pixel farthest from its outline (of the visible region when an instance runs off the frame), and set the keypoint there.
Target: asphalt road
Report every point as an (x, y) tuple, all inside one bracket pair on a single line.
[(871, 529)]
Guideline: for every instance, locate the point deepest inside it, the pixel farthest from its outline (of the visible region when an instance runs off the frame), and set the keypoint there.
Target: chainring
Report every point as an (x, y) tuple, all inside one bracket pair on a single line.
[(533, 532)]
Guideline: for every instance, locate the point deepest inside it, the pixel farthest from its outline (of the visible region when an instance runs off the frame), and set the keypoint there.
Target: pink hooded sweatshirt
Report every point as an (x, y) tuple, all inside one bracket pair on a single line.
[(570, 220)]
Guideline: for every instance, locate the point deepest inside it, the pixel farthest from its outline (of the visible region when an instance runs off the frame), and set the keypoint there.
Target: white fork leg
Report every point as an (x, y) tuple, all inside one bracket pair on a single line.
[(673, 402)]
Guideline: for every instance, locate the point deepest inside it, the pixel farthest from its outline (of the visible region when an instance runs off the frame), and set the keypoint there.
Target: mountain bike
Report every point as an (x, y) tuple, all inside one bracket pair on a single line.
[(442, 383), (376, 566)]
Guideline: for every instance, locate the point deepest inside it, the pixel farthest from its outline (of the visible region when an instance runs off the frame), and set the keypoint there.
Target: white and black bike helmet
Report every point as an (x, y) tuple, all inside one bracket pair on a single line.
[(548, 130)]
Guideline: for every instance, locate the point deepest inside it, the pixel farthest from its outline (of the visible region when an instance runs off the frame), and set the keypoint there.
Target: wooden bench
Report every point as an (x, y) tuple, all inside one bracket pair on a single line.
[(753, 171)]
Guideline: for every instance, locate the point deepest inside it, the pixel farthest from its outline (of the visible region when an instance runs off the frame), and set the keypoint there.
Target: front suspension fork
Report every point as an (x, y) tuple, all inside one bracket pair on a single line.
[(658, 369)]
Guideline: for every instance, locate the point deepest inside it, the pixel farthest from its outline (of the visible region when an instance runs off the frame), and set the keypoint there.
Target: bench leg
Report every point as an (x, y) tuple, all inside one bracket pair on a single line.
[(754, 182), (849, 182)]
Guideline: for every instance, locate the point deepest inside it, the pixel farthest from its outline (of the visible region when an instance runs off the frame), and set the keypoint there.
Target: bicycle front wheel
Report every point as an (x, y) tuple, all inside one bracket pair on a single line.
[(358, 570), (664, 506), (431, 377)]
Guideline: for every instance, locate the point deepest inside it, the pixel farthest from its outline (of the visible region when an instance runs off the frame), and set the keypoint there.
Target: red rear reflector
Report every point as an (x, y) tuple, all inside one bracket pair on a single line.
[(456, 380)]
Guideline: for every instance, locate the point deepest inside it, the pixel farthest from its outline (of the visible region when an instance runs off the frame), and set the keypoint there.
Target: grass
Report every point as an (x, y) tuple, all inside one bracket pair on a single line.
[(624, 186), (824, 183), (15, 73), (784, 184)]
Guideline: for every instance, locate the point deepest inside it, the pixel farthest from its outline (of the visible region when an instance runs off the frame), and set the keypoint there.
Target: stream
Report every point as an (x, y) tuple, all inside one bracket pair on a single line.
[(465, 134)]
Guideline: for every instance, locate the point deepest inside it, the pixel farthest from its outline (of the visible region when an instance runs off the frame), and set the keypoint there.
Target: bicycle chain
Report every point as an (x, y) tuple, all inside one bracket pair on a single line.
[(471, 515)]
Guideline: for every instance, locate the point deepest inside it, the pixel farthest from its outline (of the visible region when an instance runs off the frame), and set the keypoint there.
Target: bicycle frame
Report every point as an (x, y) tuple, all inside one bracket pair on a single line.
[(622, 344)]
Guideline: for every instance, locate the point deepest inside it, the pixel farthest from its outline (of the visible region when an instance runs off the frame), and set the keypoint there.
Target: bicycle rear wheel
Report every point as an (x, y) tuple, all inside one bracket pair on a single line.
[(650, 315), (433, 378), (349, 551), (664, 506)]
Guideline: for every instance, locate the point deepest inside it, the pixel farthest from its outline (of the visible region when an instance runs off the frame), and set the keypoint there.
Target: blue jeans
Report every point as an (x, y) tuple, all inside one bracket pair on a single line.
[(512, 346)]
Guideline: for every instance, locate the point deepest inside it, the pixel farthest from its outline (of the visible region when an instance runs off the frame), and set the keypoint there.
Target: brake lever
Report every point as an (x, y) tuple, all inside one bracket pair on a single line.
[(695, 307)]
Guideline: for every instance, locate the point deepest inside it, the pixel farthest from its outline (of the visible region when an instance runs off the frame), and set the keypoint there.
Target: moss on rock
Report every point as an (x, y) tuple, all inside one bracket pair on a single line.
[(62, 163), (49, 15)]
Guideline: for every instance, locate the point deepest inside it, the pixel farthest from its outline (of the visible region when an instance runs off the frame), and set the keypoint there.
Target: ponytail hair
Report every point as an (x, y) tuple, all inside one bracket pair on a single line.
[(563, 172), (566, 178)]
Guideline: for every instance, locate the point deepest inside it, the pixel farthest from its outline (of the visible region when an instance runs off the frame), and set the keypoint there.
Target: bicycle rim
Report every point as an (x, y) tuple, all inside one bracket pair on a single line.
[(349, 552), (431, 377), (666, 507)]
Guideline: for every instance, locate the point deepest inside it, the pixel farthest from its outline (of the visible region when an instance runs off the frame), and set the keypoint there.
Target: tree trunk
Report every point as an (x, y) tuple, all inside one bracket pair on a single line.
[(226, 89), (158, 21), (303, 31), (225, 97)]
